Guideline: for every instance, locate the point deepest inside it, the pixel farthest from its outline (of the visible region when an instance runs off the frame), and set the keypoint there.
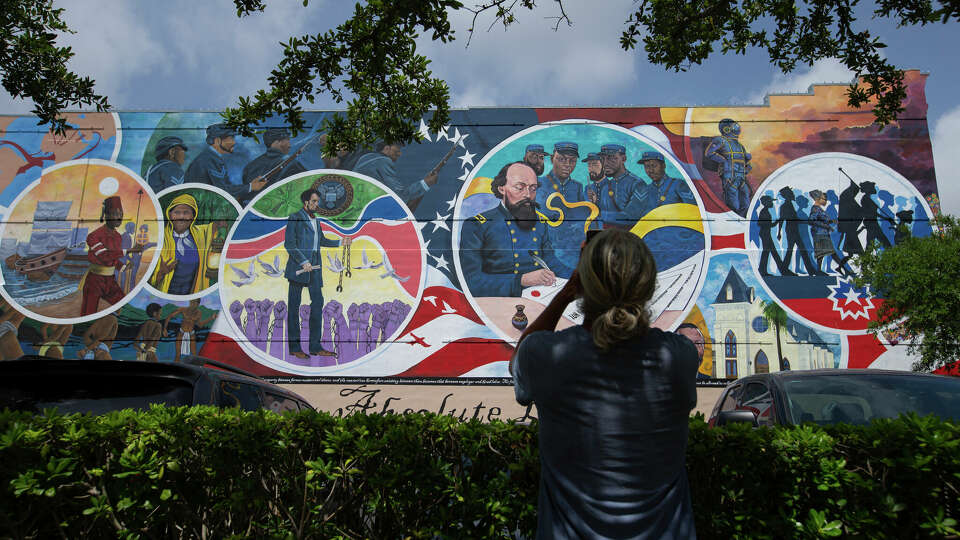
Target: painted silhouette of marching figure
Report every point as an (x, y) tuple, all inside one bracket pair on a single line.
[(849, 219), (870, 215), (767, 245), (788, 216)]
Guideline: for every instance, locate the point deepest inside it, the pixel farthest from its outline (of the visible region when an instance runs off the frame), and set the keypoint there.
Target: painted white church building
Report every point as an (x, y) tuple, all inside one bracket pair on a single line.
[(746, 343)]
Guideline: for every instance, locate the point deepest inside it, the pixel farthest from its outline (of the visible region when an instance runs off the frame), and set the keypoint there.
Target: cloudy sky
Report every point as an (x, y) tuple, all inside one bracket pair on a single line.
[(188, 55)]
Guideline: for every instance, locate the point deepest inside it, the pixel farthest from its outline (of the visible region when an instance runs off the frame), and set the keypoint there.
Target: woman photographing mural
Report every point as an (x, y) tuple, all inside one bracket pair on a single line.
[(613, 397)]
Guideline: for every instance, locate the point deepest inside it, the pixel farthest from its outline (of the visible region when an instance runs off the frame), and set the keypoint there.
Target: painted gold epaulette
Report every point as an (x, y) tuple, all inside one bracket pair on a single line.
[(480, 219)]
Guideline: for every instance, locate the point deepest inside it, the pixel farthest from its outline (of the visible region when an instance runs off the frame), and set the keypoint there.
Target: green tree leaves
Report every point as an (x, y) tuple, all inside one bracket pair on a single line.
[(33, 67), (918, 280)]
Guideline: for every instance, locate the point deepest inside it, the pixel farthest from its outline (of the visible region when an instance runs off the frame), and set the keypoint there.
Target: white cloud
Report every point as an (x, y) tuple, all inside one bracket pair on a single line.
[(531, 64), (183, 54), (946, 159), (829, 70)]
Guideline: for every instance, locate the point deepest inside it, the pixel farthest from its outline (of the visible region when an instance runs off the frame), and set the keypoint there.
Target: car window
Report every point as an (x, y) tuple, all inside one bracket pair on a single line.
[(278, 403), (730, 399), (238, 394), (756, 397), (858, 399)]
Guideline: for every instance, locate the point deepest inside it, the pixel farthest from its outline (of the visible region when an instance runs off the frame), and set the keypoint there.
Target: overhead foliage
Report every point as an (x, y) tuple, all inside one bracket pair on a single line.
[(917, 280), (370, 61), (33, 67)]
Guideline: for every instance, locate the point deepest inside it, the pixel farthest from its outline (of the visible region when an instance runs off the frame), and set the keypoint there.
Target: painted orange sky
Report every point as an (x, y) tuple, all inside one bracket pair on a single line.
[(793, 117), (63, 184), (56, 148)]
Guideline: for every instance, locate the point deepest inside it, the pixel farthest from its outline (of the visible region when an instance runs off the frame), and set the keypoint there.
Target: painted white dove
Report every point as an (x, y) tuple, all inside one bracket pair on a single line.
[(246, 278), (272, 270), (366, 263), (390, 272), (336, 265)]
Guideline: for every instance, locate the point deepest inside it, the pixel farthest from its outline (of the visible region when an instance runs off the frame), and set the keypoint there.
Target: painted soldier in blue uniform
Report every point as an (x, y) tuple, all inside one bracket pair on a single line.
[(558, 180), (568, 235), (210, 168), (662, 190), (729, 158), (277, 141), (500, 248), (380, 164), (168, 170), (592, 191), (533, 156), (617, 188)]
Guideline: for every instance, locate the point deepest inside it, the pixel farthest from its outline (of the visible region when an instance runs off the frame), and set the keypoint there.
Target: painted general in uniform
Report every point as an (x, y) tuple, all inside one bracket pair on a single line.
[(499, 247), (302, 240)]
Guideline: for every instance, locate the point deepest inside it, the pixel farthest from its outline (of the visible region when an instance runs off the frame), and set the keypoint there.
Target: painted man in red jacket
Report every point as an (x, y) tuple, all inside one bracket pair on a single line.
[(104, 253)]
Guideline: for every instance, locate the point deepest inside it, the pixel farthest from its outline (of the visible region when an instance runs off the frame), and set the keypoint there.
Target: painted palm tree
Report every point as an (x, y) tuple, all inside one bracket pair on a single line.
[(775, 314)]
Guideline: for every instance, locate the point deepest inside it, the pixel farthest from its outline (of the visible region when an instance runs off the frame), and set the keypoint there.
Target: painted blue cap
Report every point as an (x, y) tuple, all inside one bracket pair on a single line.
[(567, 147), (219, 131), (165, 144), (535, 148), (613, 149), (592, 156), (651, 155)]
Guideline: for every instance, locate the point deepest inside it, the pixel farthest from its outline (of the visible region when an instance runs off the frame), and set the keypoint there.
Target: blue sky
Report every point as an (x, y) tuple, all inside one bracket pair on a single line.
[(188, 55)]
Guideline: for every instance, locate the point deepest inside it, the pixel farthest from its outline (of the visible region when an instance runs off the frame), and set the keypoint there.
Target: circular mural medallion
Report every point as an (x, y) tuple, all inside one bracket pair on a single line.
[(70, 259), (197, 218), (809, 221), (303, 301), (517, 237)]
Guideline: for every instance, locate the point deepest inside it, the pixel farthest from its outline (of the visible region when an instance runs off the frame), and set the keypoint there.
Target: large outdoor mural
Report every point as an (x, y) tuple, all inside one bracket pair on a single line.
[(151, 236)]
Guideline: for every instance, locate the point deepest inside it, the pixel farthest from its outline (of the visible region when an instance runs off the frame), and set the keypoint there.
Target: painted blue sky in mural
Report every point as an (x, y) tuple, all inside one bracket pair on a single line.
[(184, 55)]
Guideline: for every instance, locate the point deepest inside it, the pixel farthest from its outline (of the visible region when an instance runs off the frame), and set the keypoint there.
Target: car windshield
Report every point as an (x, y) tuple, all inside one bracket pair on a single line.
[(858, 399), (92, 394)]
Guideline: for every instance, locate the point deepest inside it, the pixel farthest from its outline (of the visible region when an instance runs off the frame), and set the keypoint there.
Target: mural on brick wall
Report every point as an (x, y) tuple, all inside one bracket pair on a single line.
[(152, 236)]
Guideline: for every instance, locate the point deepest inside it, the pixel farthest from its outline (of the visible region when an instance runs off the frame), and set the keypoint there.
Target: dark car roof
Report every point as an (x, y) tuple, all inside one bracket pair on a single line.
[(190, 371), (51, 367), (834, 372)]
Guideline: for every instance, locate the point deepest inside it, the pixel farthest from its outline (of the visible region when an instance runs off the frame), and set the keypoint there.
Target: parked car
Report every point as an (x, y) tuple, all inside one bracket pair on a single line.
[(35, 383), (830, 396)]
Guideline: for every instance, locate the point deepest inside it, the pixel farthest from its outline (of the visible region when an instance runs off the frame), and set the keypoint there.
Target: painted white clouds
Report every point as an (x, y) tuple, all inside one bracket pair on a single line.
[(799, 81)]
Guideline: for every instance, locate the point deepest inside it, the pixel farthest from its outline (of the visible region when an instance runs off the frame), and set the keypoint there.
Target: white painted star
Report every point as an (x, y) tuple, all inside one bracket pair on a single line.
[(443, 134), (440, 222), (463, 177), (853, 296), (425, 131), (461, 139), (451, 203), (441, 262), (456, 136), (420, 224), (431, 299), (426, 245), (466, 158)]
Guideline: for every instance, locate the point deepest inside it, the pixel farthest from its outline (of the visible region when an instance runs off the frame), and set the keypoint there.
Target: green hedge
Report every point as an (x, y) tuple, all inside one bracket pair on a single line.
[(203, 472)]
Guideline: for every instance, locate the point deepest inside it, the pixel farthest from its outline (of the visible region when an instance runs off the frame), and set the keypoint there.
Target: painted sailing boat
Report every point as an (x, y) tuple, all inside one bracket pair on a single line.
[(50, 240)]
